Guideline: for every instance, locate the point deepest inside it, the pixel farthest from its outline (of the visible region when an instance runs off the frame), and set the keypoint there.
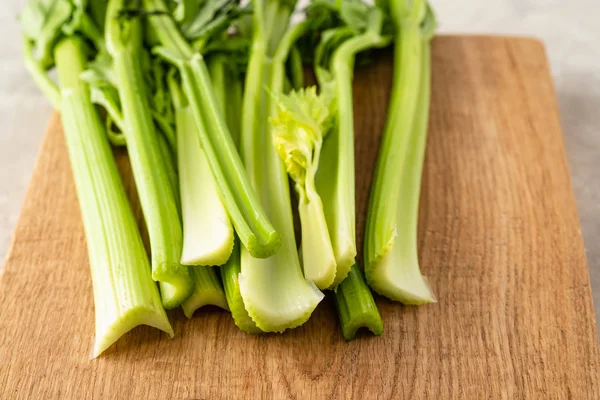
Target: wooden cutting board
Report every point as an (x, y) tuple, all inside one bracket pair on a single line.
[(499, 239)]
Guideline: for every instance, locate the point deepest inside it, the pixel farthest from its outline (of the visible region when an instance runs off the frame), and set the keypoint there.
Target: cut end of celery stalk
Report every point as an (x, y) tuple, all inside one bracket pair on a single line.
[(276, 296), (207, 291), (399, 278), (175, 291), (108, 333), (229, 275), (317, 253), (264, 249), (356, 306), (202, 252), (345, 261), (236, 304)]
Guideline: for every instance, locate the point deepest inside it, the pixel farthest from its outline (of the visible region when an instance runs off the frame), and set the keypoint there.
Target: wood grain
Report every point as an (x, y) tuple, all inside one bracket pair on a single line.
[(499, 239)]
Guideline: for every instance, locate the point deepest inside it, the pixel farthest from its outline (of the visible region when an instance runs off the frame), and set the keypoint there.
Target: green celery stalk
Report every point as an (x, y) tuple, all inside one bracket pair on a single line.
[(248, 217), (299, 125), (229, 274), (391, 257), (124, 43), (124, 294), (208, 233), (207, 291), (335, 179), (275, 293), (355, 305), (226, 91)]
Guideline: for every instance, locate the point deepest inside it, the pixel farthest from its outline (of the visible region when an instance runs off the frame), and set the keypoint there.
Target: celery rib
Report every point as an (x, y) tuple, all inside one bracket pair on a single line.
[(151, 177), (299, 125), (208, 234), (230, 276), (391, 256), (124, 294), (231, 270), (356, 306), (207, 291)]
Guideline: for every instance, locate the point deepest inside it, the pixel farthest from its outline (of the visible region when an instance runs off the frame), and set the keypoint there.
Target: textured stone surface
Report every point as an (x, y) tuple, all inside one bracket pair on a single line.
[(569, 30)]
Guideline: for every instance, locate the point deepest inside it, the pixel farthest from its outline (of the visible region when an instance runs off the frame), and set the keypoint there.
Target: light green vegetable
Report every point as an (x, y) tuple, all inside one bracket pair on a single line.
[(208, 98), (391, 257), (208, 233), (245, 211), (207, 291), (124, 294), (334, 59), (156, 193), (355, 305), (228, 87), (299, 124), (275, 293), (229, 274)]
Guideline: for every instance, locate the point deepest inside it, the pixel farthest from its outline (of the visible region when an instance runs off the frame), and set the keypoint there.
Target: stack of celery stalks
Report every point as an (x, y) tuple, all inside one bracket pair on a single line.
[(208, 97)]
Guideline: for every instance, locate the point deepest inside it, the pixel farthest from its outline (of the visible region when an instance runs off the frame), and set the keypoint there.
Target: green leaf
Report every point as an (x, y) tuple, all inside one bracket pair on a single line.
[(300, 124)]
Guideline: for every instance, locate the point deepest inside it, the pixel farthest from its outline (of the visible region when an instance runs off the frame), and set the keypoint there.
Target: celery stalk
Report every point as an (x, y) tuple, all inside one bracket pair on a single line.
[(391, 257), (208, 234), (229, 274), (299, 126), (355, 305), (242, 204), (275, 293), (124, 42), (335, 179), (207, 291), (124, 294)]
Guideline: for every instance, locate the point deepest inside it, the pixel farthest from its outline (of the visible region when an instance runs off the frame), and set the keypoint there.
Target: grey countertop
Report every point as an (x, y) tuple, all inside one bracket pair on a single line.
[(570, 31)]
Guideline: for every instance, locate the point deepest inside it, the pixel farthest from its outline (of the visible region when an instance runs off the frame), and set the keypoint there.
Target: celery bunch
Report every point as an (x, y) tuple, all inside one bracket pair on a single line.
[(208, 97)]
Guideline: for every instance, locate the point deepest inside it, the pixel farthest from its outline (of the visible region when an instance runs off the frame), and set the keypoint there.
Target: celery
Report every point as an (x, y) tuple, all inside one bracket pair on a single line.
[(208, 234), (124, 294), (242, 204), (335, 179), (124, 43), (229, 274), (274, 291), (226, 88), (391, 257), (299, 125), (229, 91), (207, 291), (355, 305)]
